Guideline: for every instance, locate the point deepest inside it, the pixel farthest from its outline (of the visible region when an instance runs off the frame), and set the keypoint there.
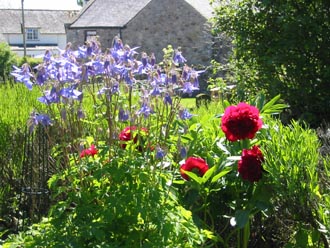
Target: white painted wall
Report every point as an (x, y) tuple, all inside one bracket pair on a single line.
[(59, 39)]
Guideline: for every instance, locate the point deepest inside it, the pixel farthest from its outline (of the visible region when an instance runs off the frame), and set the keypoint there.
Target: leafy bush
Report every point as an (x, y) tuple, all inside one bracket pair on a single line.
[(118, 203), (7, 59), (280, 48)]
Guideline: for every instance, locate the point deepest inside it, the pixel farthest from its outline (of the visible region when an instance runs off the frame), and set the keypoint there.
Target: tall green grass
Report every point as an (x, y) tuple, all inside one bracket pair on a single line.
[(16, 104)]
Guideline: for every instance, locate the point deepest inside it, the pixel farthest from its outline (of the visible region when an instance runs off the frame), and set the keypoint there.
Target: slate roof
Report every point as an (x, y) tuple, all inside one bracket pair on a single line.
[(48, 21), (108, 13), (117, 13), (202, 6)]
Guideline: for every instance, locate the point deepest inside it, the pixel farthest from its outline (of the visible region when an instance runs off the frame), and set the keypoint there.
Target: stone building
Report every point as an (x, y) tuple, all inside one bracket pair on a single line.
[(150, 25)]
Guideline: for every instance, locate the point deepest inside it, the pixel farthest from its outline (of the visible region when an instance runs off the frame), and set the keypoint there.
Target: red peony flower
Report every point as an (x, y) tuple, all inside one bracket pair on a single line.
[(249, 167), (241, 122), (126, 135), (91, 151), (194, 164)]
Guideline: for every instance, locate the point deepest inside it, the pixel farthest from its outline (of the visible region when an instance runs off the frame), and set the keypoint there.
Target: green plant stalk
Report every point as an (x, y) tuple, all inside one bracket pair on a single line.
[(246, 235)]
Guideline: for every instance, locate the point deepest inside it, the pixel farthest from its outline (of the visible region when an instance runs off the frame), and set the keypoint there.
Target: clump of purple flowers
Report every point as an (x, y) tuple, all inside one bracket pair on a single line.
[(109, 74)]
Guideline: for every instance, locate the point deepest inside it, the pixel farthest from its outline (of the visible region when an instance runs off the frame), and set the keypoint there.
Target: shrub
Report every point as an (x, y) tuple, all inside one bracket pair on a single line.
[(280, 48), (7, 59)]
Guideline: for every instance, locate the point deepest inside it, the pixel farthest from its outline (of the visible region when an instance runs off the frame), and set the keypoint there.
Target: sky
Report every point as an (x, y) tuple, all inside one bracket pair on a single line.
[(40, 4)]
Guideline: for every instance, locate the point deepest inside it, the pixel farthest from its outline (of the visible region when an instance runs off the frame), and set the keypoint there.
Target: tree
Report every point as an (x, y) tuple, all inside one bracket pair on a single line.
[(281, 47), (80, 2)]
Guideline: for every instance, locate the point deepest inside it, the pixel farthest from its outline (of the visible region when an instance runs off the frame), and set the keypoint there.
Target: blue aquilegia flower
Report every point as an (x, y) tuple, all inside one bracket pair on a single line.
[(80, 114), (42, 75), (36, 119), (188, 88), (71, 93), (23, 75), (185, 115), (123, 115), (155, 91), (168, 99), (183, 152), (47, 56), (145, 110), (194, 77), (178, 58), (160, 153), (50, 96)]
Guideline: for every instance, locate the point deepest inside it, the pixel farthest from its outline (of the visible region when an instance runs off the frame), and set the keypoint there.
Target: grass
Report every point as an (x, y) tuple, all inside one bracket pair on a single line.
[(17, 102), (189, 103)]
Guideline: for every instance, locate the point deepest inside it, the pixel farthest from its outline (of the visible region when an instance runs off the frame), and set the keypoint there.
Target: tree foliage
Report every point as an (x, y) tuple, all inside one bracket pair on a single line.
[(281, 47), (7, 59)]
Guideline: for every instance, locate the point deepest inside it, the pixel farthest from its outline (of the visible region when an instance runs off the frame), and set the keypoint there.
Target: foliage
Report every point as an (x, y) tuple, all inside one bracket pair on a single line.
[(136, 202), (11, 152), (13, 112), (32, 61), (280, 47), (80, 2), (126, 169), (7, 59), (114, 203), (13, 118), (293, 163)]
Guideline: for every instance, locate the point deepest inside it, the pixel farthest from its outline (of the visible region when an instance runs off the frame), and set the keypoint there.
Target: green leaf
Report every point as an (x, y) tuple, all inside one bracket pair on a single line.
[(222, 173), (178, 181), (208, 174), (242, 217), (194, 177), (272, 108), (226, 104)]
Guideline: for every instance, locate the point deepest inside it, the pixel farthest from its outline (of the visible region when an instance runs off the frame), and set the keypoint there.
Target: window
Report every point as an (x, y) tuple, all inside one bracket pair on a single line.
[(90, 35), (32, 34)]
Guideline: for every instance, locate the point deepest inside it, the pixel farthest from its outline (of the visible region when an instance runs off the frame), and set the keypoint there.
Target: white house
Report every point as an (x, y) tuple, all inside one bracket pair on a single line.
[(44, 29)]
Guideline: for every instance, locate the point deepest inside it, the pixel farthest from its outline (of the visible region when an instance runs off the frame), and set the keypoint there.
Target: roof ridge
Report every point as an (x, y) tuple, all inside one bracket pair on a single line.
[(83, 10)]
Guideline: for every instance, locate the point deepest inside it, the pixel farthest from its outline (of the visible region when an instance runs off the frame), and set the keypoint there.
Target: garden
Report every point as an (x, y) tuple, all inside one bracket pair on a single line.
[(99, 149)]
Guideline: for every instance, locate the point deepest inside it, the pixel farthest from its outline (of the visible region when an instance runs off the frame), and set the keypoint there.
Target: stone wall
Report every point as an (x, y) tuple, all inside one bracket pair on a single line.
[(171, 22), (106, 35), (159, 24)]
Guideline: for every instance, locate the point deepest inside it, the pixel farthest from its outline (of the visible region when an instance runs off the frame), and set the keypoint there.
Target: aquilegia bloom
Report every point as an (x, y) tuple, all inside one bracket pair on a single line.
[(23, 75), (249, 167), (36, 119), (123, 115), (160, 153), (91, 151), (185, 115), (241, 122), (194, 164)]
